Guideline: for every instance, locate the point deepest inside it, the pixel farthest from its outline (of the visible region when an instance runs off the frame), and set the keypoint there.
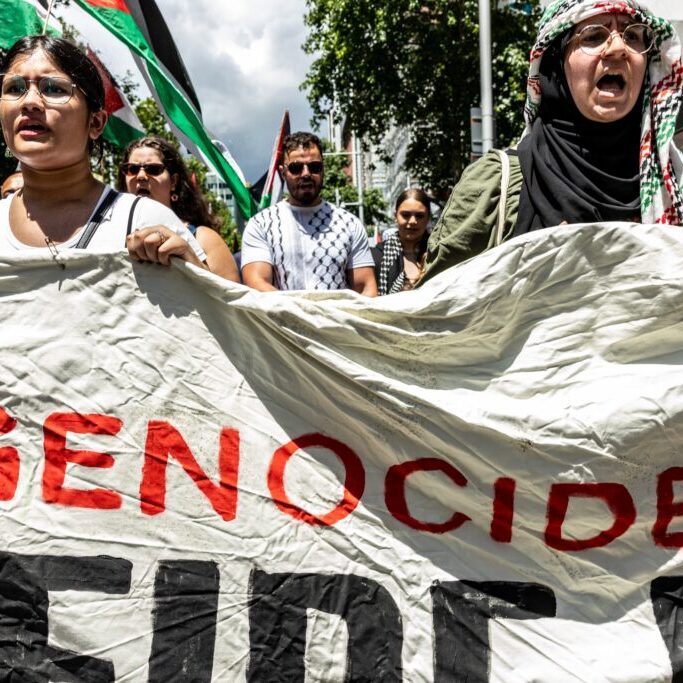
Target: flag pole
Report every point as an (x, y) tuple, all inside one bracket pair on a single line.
[(47, 16)]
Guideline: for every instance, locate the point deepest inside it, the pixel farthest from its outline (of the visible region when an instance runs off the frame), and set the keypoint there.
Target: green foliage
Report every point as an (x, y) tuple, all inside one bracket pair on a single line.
[(8, 164), (375, 209), (511, 68), (339, 188), (228, 229), (414, 63), (153, 122)]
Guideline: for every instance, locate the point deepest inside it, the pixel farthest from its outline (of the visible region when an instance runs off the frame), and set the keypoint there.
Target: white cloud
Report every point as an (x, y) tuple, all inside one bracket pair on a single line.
[(245, 60)]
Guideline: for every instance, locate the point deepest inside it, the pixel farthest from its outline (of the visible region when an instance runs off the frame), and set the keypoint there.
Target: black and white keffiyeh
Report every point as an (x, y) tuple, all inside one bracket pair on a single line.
[(392, 252)]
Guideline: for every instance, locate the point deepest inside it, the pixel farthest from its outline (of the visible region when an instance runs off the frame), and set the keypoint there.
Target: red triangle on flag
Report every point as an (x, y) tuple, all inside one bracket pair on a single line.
[(110, 4), (112, 100)]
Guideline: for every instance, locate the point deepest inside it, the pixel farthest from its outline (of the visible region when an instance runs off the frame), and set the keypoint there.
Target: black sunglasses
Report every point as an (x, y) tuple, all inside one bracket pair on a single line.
[(150, 169), (297, 167)]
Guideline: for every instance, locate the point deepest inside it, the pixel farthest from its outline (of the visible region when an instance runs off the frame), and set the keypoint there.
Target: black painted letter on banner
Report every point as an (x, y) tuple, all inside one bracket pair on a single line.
[(462, 610), (666, 594), (185, 608), (277, 625), (24, 584)]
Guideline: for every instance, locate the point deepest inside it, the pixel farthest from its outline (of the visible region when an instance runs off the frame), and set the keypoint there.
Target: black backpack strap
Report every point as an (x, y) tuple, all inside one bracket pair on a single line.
[(96, 219), (130, 215)]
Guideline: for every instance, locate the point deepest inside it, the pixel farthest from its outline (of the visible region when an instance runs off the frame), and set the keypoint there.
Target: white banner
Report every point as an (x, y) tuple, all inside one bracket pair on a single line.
[(480, 480)]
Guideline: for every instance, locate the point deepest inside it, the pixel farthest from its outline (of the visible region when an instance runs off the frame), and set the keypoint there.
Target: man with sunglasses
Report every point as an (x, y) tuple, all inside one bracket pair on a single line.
[(304, 242)]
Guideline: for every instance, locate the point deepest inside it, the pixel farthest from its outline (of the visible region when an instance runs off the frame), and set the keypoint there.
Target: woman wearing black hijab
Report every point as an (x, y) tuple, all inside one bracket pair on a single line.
[(598, 144)]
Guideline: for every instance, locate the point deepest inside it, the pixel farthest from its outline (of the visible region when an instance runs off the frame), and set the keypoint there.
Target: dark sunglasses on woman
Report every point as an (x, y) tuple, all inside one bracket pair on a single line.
[(149, 169)]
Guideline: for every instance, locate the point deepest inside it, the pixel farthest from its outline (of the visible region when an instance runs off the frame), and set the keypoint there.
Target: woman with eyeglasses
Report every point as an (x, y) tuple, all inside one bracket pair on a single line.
[(399, 258), (152, 167), (52, 115), (604, 91)]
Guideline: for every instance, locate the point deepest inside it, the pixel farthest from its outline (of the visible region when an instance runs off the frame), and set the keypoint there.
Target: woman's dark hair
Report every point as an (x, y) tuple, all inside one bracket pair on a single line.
[(70, 59), (67, 58), (190, 206), (418, 195)]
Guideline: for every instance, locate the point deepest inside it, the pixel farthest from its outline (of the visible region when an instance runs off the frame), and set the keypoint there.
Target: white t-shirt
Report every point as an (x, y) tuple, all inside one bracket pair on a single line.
[(111, 233), (309, 247)]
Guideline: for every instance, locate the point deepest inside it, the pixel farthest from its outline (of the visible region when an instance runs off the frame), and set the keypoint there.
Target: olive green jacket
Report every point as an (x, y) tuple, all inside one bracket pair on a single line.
[(467, 224)]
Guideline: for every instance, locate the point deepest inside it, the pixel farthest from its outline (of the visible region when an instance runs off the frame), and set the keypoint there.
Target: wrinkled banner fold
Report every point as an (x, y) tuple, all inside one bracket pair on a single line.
[(479, 480)]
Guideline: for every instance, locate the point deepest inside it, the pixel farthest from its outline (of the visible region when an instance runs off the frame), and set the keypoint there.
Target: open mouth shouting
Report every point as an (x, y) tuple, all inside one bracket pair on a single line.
[(612, 83), (29, 128)]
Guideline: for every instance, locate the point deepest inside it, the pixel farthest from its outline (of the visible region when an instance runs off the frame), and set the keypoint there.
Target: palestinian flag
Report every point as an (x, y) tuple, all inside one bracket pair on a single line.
[(123, 125), (154, 30), (19, 18), (140, 26), (272, 190)]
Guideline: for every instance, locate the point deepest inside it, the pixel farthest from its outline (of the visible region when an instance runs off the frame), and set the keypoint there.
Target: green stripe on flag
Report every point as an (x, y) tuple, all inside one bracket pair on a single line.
[(19, 18), (119, 133), (177, 107)]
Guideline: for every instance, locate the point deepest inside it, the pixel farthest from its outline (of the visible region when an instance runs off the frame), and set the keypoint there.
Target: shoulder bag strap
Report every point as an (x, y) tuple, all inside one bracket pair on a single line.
[(96, 219), (130, 215), (504, 186)]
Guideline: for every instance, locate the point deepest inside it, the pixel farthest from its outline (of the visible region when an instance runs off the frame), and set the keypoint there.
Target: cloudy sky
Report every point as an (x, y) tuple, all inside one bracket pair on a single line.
[(245, 60)]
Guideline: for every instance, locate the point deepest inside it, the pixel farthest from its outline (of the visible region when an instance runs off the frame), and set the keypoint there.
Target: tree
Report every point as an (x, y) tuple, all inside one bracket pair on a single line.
[(339, 188), (153, 121), (414, 64), (8, 164), (228, 227)]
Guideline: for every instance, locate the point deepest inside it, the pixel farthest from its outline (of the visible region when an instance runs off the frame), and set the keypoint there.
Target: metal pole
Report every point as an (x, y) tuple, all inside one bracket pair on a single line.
[(47, 16), (358, 167), (487, 141), (330, 126)]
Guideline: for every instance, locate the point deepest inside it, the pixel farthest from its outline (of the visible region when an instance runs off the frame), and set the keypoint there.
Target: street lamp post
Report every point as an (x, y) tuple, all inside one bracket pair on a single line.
[(357, 159), (358, 168), (487, 141)]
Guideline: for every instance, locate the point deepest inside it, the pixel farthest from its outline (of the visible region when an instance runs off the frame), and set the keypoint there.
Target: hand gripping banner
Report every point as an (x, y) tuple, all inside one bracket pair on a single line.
[(480, 480)]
